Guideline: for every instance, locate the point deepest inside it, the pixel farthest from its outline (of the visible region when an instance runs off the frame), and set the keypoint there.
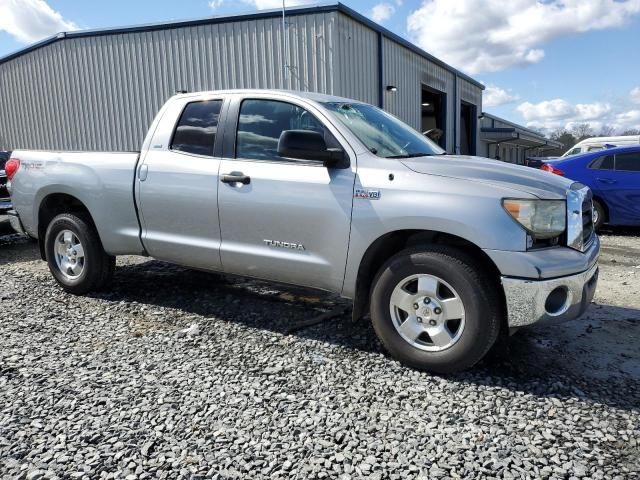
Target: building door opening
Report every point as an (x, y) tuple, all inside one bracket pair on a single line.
[(433, 110), (468, 126)]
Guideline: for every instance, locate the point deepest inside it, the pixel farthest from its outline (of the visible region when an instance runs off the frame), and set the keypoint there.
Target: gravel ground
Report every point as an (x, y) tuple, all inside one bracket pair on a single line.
[(112, 386)]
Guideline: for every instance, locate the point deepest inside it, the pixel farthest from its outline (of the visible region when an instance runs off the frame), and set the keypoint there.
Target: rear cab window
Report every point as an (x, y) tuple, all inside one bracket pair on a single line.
[(196, 130)]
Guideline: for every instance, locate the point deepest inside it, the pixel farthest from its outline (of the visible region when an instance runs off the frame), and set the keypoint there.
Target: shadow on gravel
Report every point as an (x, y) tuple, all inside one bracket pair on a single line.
[(622, 231), (16, 248), (525, 368)]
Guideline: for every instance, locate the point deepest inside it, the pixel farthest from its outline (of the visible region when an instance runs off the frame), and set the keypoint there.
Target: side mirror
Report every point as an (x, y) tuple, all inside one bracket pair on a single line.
[(308, 145)]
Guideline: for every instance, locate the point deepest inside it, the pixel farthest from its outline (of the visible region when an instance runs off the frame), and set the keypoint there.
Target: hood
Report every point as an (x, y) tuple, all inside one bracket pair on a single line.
[(517, 177)]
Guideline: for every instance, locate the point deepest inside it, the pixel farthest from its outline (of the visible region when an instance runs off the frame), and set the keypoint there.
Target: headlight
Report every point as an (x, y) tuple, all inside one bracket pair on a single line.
[(542, 218)]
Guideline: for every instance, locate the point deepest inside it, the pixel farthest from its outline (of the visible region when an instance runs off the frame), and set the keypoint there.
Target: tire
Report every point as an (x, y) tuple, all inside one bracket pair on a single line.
[(600, 215), (460, 280), (75, 254)]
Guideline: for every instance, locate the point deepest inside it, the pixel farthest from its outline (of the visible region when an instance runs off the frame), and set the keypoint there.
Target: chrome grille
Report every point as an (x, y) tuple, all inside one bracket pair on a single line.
[(587, 222), (579, 217)]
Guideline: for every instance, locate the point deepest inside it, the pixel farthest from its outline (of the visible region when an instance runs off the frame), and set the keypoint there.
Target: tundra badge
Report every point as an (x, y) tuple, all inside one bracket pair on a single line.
[(278, 243)]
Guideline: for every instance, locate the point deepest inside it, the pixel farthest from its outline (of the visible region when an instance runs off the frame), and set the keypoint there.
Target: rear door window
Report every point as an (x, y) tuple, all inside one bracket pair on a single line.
[(629, 162), (197, 127), (603, 163)]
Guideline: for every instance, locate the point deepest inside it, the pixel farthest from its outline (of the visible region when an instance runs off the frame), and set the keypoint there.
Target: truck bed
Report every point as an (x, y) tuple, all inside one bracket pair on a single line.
[(102, 181)]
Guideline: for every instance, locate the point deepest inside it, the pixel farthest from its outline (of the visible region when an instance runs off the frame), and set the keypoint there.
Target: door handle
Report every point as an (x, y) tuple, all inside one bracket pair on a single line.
[(235, 177), (142, 172), (607, 181)]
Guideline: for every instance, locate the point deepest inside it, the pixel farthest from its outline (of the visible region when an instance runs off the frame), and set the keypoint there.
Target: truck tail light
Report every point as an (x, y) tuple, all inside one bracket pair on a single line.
[(11, 167), (551, 169)]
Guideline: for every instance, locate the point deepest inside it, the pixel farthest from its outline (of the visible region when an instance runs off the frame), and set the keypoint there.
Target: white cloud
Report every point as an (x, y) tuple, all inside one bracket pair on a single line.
[(382, 12), (550, 114), (31, 20), (215, 4), (635, 95), (494, 96), (491, 35), (267, 4)]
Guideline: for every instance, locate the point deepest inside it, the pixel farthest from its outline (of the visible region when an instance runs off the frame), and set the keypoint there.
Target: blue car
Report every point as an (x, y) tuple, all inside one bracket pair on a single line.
[(613, 175)]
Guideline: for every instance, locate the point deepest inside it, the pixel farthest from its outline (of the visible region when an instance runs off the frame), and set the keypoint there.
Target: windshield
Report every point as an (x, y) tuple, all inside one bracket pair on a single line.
[(383, 134)]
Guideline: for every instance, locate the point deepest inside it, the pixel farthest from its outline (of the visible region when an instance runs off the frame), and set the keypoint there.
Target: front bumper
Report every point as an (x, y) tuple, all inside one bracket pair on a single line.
[(14, 221), (550, 301)]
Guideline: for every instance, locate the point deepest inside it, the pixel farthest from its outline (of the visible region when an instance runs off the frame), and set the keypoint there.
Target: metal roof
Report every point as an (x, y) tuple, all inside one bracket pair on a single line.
[(319, 8), (514, 133)]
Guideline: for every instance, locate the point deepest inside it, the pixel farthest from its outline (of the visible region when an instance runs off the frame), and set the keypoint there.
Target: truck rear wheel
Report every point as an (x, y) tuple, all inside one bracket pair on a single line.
[(75, 255), (435, 309)]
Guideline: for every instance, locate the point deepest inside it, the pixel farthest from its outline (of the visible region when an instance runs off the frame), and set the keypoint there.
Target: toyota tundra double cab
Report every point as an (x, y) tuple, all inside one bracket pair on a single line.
[(445, 253)]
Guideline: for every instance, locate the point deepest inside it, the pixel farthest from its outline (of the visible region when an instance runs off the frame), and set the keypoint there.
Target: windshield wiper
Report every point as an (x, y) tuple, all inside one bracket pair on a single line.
[(412, 155)]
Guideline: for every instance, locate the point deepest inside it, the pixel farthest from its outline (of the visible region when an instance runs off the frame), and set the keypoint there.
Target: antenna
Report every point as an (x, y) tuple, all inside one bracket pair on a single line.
[(285, 47)]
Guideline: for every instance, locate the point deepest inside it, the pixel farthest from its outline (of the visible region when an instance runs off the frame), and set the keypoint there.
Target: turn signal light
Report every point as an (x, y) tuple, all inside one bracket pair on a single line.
[(11, 167), (551, 169)]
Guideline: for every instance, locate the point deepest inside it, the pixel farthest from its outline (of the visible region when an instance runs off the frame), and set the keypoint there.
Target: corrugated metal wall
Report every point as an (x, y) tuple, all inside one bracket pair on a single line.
[(102, 92), (408, 71), (356, 61)]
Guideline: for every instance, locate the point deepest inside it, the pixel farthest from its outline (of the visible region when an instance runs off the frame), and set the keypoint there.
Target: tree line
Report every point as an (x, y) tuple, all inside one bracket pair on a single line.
[(581, 131)]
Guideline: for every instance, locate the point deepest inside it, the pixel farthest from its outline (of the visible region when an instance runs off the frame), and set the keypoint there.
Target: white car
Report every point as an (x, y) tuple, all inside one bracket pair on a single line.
[(600, 143)]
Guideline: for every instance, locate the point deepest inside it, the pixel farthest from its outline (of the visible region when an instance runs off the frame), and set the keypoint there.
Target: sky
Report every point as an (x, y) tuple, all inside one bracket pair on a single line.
[(547, 64)]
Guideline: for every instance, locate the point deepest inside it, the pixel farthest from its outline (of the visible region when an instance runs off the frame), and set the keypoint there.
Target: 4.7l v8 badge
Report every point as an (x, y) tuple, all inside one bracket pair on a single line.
[(367, 194)]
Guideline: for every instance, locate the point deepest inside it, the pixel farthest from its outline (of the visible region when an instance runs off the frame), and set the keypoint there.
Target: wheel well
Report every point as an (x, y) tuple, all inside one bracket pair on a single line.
[(604, 206), (53, 205), (391, 243)]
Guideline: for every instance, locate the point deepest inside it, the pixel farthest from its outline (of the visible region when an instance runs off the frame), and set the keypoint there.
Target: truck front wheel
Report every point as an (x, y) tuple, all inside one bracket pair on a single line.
[(435, 309), (75, 255)]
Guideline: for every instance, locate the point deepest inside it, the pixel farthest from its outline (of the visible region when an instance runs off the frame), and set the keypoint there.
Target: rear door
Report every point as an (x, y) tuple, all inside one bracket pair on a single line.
[(626, 189), (290, 219), (178, 185)]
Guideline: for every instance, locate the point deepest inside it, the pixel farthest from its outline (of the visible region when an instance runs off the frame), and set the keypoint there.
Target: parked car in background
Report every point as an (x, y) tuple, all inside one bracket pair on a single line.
[(5, 201), (595, 144), (614, 178), (537, 162), (329, 193)]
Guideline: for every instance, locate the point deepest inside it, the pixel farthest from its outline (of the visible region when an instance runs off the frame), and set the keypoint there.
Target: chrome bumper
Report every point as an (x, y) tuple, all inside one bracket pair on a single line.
[(529, 301), (14, 221)]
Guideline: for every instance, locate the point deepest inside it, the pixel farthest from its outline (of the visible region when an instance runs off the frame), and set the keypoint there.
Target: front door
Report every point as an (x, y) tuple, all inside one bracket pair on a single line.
[(283, 219), (178, 187)]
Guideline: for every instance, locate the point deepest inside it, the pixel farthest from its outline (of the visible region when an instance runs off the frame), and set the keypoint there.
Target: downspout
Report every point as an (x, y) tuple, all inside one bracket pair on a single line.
[(456, 116), (380, 71)]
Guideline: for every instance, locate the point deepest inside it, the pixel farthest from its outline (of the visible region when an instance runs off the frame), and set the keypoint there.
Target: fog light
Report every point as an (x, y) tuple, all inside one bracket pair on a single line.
[(557, 301)]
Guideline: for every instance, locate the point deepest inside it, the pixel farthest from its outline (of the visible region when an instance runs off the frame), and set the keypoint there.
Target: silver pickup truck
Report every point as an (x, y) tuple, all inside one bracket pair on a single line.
[(446, 253)]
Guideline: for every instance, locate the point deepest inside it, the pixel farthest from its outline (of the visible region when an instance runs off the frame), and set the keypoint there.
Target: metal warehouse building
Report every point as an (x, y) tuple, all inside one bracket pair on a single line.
[(99, 90)]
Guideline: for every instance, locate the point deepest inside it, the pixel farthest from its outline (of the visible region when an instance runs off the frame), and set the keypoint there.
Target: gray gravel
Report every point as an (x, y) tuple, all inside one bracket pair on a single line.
[(179, 374)]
